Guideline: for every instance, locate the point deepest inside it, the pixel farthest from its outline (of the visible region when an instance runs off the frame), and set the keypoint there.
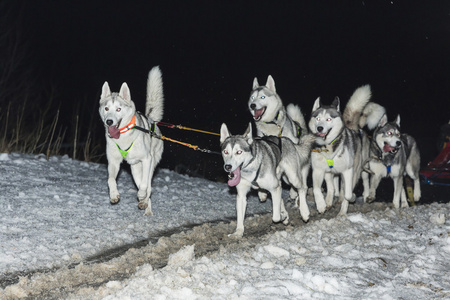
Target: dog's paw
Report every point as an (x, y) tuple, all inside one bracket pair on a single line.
[(262, 196), (142, 205), (286, 221), (236, 234), (115, 199), (148, 212), (352, 199), (369, 199)]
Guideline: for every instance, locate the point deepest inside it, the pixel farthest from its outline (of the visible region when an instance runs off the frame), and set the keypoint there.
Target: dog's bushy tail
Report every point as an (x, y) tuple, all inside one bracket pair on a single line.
[(295, 113), (355, 106), (154, 106), (371, 115)]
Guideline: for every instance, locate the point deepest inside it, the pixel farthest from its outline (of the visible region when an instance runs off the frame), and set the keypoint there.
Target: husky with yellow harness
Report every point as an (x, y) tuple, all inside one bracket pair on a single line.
[(341, 146), (124, 142)]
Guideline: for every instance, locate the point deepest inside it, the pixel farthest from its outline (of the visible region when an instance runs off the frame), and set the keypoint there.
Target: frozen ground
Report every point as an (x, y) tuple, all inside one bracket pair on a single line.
[(60, 238)]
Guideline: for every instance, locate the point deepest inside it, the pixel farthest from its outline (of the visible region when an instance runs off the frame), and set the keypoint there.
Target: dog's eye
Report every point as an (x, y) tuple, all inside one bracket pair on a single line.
[(239, 152), (106, 108), (252, 97), (317, 119), (263, 97), (329, 120), (119, 109), (389, 133), (225, 152)]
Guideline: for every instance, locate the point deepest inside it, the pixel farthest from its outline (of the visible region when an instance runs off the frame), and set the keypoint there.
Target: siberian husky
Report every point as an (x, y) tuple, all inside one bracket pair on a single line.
[(259, 163), (341, 147), (393, 154), (124, 142), (273, 118)]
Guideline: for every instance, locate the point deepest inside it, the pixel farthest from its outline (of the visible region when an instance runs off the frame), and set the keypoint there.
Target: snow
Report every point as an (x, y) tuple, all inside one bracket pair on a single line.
[(55, 217)]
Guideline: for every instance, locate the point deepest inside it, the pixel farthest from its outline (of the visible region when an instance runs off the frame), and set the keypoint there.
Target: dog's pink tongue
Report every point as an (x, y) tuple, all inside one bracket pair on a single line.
[(114, 132), (388, 148), (258, 113), (236, 177)]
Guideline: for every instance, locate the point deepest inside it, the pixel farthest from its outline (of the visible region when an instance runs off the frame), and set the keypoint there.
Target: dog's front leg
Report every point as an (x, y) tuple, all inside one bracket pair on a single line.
[(347, 177), (318, 175), (142, 195), (330, 180), (241, 205), (113, 170), (398, 187)]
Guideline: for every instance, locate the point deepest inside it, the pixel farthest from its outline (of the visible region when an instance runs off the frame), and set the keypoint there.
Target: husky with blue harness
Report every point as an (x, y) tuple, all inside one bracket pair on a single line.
[(393, 154), (130, 136), (259, 163)]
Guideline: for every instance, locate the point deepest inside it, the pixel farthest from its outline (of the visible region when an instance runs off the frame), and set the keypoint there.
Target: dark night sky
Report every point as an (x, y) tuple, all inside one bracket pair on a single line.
[(210, 51)]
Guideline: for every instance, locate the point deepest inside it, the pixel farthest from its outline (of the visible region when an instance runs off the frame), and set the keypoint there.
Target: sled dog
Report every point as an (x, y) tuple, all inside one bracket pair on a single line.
[(125, 142), (393, 154), (270, 115), (273, 118), (341, 147), (259, 163)]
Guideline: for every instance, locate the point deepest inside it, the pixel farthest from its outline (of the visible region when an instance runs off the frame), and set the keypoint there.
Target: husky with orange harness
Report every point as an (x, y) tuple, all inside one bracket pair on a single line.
[(123, 142)]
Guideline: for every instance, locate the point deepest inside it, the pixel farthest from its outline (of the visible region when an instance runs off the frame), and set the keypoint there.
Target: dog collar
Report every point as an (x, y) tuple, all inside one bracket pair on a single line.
[(129, 126)]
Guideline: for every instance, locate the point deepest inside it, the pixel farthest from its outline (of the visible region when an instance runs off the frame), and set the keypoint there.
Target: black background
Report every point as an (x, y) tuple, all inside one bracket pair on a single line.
[(210, 51)]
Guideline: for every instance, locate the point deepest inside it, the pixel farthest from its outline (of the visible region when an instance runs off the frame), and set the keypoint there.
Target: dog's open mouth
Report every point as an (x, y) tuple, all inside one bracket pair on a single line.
[(234, 177), (258, 113), (389, 148), (322, 134), (114, 131)]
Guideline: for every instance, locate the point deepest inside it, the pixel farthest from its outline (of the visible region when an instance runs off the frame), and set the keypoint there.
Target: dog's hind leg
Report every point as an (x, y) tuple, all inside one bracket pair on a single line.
[(148, 210), (276, 204)]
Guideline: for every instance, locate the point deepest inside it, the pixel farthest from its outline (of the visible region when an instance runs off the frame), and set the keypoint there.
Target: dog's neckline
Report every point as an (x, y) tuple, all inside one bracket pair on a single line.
[(129, 126)]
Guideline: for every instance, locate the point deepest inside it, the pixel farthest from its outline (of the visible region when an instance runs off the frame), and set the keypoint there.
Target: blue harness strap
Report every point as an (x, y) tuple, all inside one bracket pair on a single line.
[(388, 168)]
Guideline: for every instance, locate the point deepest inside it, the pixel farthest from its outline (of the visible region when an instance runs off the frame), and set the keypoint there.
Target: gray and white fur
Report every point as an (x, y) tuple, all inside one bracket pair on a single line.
[(341, 147), (259, 163), (271, 117), (124, 142), (393, 154)]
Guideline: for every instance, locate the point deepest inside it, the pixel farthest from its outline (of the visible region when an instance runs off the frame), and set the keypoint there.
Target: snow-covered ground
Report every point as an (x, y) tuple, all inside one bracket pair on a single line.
[(55, 215)]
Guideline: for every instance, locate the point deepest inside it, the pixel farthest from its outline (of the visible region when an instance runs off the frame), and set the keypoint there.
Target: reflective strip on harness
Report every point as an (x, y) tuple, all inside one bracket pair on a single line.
[(330, 163)]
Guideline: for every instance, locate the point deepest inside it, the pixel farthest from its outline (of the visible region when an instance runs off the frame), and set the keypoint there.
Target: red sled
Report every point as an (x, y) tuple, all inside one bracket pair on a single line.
[(437, 171)]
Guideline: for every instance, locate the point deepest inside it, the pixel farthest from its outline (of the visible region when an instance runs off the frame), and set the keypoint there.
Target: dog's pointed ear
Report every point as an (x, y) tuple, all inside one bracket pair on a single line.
[(336, 103), (106, 91), (316, 105), (397, 120), (224, 133), (248, 134), (125, 92), (271, 83), (383, 121), (255, 83)]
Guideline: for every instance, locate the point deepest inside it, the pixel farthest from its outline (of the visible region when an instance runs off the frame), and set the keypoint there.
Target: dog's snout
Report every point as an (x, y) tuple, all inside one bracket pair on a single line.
[(319, 128), (227, 168), (109, 122), (253, 106)]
